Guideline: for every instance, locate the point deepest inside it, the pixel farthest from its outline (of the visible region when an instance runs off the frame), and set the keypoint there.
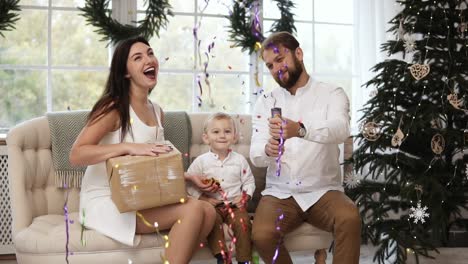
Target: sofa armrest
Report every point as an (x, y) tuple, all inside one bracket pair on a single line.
[(23, 146)]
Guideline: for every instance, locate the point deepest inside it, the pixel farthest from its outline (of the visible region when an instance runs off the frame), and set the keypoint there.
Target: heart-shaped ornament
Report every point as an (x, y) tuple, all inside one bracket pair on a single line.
[(419, 71)]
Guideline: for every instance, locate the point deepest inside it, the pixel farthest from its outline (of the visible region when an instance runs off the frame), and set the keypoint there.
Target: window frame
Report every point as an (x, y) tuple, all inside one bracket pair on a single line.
[(126, 11)]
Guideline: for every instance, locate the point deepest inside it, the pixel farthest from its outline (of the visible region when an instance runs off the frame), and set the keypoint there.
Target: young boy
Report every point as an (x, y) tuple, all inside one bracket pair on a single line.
[(231, 171)]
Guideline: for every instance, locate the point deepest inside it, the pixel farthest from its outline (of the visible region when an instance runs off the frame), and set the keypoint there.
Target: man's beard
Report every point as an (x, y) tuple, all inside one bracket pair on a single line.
[(294, 75)]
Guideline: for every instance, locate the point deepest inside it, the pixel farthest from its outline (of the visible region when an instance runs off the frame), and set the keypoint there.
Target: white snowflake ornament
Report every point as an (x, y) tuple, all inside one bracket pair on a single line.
[(351, 181), (409, 43), (466, 171), (419, 213)]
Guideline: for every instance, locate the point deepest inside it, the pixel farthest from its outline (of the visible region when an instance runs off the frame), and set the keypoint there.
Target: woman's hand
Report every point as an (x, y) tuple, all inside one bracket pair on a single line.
[(147, 149), (202, 183)]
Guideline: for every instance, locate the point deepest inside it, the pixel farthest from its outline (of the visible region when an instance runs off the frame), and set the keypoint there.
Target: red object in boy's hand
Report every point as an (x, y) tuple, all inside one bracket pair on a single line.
[(211, 181)]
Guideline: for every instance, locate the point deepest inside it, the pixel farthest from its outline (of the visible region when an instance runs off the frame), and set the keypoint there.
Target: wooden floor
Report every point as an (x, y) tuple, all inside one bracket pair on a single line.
[(7, 257), (446, 256)]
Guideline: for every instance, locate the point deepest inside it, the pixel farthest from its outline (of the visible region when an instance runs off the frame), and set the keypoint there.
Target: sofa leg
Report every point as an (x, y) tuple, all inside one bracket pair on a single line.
[(320, 256)]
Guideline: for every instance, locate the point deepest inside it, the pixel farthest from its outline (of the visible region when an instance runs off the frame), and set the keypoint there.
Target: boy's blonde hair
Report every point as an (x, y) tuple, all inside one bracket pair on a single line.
[(219, 116)]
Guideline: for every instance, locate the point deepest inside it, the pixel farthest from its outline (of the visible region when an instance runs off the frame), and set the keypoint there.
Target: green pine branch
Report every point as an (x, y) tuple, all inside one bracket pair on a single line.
[(9, 10)]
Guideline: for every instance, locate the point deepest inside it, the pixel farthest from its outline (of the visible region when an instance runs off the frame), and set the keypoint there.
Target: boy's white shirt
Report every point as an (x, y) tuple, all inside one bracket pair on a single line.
[(233, 173)]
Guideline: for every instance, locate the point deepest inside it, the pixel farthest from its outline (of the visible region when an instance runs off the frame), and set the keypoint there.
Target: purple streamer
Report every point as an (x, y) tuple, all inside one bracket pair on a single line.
[(67, 229), (199, 85), (280, 151), (256, 25), (277, 222)]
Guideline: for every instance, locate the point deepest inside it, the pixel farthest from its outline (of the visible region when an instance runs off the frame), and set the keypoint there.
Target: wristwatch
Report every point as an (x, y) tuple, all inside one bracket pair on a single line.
[(302, 130)]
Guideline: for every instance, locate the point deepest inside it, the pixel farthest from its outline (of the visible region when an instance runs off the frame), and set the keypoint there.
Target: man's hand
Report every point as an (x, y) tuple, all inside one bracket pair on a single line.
[(272, 148), (290, 128), (202, 183)]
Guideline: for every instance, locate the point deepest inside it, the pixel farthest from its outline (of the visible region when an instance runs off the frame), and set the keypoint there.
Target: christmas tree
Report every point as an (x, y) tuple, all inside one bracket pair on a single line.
[(410, 170)]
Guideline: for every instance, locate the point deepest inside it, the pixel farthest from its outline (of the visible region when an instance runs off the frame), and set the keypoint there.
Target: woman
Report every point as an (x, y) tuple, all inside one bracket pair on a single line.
[(122, 122)]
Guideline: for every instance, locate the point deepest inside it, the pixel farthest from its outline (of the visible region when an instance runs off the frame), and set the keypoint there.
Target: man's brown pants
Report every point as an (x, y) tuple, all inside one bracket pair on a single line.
[(334, 212)]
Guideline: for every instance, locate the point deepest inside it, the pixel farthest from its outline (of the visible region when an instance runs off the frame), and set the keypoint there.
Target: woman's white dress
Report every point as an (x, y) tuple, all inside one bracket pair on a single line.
[(97, 210)]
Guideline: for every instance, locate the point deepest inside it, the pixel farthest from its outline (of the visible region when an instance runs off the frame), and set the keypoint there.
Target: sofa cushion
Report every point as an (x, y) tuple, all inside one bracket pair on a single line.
[(178, 130), (259, 174), (47, 234)]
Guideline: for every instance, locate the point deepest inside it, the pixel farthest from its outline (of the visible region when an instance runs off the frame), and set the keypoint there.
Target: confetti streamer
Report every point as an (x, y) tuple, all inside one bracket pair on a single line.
[(155, 226), (83, 228), (256, 25), (195, 31), (67, 229), (199, 85), (278, 228), (280, 151), (257, 81)]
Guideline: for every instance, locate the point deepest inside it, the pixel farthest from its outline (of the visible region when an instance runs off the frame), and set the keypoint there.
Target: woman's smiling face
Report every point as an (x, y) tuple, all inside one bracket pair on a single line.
[(142, 66)]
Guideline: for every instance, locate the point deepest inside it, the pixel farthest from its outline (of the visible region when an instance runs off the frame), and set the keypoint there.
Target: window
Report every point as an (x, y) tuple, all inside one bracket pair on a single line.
[(53, 61), (326, 37)]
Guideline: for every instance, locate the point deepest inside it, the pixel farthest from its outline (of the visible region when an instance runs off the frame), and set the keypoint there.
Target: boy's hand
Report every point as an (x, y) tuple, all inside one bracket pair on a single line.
[(211, 200), (202, 183)]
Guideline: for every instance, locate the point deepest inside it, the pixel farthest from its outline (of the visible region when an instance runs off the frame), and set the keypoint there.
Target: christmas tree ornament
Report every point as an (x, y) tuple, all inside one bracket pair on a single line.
[(466, 171), (398, 138), (462, 28), (351, 180), (454, 101), (371, 131), (438, 144), (401, 31), (419, 71), (409, 43), (438, 123), (418, 213)]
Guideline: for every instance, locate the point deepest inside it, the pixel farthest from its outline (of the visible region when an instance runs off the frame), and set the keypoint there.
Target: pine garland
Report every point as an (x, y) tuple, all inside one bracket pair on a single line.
[(7, 15), (97, 14), (241, 30)]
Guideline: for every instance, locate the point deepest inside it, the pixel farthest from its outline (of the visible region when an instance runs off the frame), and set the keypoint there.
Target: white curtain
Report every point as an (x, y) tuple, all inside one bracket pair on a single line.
[(371, 19)]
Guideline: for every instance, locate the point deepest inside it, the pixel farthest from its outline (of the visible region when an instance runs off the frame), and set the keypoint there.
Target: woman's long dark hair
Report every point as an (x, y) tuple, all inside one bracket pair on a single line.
[(116, 94)]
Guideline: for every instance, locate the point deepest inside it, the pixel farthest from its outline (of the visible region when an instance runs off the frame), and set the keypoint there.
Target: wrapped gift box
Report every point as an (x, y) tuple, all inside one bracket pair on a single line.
[(141, 182)]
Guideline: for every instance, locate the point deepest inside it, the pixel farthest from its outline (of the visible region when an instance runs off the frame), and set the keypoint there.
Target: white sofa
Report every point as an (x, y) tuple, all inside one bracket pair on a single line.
[(38, 229)]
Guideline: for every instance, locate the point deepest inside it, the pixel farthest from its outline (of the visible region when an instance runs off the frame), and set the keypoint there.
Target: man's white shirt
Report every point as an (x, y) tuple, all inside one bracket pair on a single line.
[(310, 165)]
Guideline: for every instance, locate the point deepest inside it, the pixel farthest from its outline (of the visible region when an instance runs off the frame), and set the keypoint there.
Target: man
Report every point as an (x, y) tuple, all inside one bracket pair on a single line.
[(300, 149)]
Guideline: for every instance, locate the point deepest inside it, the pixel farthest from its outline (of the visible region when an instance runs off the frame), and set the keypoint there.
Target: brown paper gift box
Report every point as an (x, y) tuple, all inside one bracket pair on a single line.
[(141, 182)]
